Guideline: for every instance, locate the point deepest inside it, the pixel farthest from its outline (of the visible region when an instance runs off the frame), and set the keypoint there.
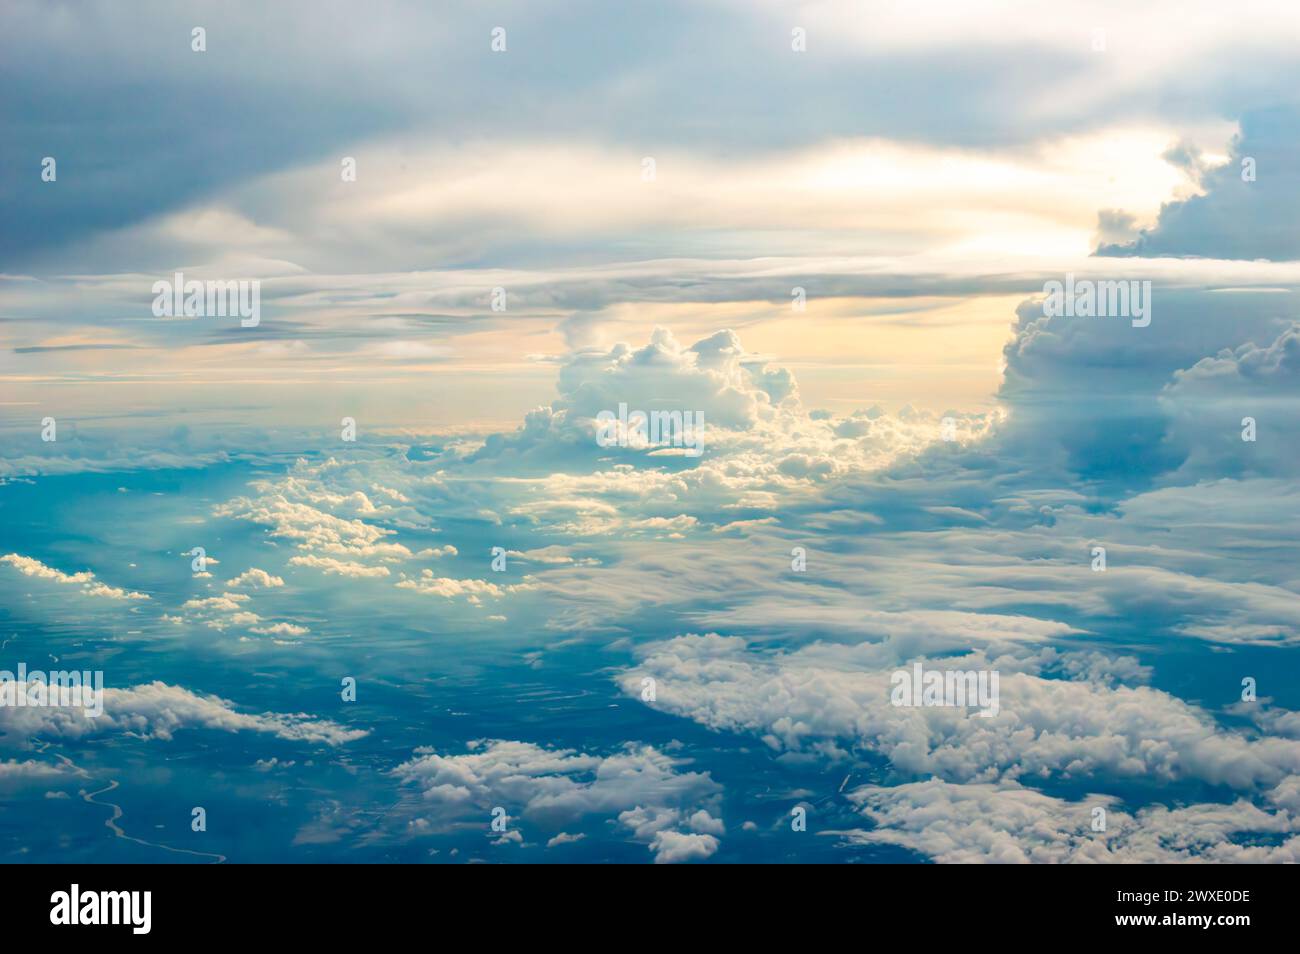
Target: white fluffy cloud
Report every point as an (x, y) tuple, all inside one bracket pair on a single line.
[(714, 377), (1208, 402), (647, 791), (835, 699), (158, 710), (258, 579), (229, 610), (472, 590), (1009, 824), (756, 436), (90, 586), (338, 567)]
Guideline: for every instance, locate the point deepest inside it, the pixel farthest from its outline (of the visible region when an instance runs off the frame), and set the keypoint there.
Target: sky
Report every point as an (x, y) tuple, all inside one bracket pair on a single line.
[(440, 617)]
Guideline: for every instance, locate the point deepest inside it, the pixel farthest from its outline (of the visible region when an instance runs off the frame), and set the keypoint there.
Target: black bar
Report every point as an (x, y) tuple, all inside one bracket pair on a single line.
[(949, 906)]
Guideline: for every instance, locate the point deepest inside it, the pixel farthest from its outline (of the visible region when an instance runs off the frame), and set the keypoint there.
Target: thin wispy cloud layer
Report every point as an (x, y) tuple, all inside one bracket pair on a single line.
[(606, 441)]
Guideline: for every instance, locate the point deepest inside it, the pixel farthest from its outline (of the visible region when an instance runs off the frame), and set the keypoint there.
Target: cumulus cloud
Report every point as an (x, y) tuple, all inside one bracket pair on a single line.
[(1208, 405), (831, 700), (714, 378), (1009, 824), (1102, 400), (1247, 206), (228, 610), (302, 521), (674, 847), (157, 710), (647, 791), (472, 590), (90, 586), (280, 629), (338, 567), (257, 579)]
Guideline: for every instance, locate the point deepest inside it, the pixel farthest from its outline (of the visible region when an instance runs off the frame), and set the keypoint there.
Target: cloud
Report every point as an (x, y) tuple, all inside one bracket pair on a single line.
[(1105, 401), (645, 790), (338, 567), (564, 838), (90, 586), (833, 701), (258, 579), (1009, 824), (675, 847), (302, 522), (1249, 202), (217, 612), (472, 590), (552, 555), (714, 377), (280, 629), (157, 710), (1208, 403), (1065, 90)]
